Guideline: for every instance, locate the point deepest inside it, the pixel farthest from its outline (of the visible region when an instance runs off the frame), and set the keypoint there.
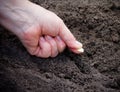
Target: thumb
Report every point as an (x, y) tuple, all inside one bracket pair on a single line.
[(70, 40)]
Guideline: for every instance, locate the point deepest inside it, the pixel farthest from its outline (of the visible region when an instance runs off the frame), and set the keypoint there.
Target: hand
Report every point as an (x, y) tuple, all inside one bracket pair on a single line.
[(41, 31)]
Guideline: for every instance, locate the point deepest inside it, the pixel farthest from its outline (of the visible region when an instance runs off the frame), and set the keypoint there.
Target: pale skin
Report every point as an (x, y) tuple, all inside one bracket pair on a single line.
[(41, 31)]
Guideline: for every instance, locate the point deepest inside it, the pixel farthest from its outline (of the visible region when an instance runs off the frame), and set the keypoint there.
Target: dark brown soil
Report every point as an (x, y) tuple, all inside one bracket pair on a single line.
[(96, 23)]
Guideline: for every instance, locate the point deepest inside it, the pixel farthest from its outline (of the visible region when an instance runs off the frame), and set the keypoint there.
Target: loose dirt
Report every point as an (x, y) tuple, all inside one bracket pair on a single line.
[(95, 23)]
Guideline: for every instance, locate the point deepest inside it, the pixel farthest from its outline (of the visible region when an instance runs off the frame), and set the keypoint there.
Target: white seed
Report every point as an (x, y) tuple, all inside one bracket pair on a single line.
[(81, 50)]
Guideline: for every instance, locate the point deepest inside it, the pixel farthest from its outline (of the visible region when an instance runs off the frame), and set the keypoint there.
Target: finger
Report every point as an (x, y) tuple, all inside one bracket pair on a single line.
[(69, 39), (60, 44), (51, 41), (44, 50)]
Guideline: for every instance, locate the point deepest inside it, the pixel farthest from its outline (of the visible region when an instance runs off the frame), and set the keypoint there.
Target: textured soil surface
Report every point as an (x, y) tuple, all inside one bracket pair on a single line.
[(96, 23)]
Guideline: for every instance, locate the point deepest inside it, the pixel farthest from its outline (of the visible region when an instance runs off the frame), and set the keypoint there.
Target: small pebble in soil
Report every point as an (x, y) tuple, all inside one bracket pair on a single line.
[(48, 75)]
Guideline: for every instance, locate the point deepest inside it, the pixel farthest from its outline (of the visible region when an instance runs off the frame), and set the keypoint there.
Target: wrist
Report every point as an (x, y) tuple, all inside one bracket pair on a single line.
[(12, 3), (19, 17), (11, 11), (8, 5)]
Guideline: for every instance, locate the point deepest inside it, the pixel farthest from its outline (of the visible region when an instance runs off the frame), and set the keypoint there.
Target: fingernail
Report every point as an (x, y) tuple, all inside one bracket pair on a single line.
[(58, 38), (80, 44), (81, 50), (48, 37), (42, 39)]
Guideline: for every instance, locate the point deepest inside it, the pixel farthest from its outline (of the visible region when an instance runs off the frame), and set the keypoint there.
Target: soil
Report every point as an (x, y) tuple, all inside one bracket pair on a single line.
[(95, 23)]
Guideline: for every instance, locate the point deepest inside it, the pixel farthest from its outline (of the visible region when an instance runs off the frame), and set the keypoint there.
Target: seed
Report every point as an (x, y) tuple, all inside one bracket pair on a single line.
[(81, 50)]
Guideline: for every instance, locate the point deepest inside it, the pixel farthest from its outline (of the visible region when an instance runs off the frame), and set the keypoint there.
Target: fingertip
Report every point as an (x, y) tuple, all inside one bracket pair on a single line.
[(80, 45), (77, 47)]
